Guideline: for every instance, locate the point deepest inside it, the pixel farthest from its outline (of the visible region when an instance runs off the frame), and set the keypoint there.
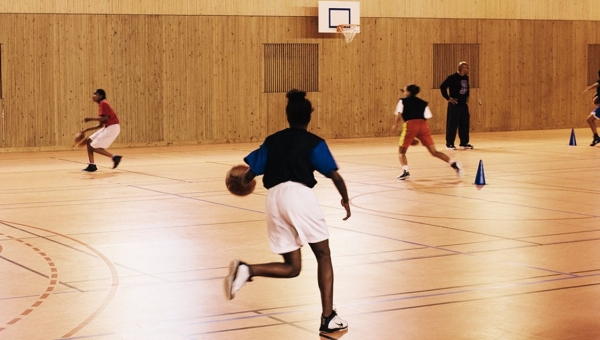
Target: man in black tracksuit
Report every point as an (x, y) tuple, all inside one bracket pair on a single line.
[(458, 108)]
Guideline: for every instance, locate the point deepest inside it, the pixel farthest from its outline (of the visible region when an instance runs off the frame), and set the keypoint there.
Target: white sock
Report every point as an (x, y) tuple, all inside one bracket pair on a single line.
[(242, 275), (405, 168)]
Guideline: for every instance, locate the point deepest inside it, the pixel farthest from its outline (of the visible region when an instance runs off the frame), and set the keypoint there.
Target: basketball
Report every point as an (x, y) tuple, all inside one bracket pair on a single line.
[(79, 138), (414, 142), (233, 181)]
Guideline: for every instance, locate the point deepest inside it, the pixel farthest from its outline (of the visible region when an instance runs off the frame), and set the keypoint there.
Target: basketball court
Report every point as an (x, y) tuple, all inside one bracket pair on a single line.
[(140, 252)]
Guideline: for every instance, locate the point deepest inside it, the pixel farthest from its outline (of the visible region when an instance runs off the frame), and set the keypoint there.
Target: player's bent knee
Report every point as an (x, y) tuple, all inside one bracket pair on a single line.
[(294, 271)]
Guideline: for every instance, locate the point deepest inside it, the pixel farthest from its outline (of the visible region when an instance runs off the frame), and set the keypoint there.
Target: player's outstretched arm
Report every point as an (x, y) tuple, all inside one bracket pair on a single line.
[(100, 121), (92, 128), (248, 177), (591, 87), (397, 121), (341, 187)]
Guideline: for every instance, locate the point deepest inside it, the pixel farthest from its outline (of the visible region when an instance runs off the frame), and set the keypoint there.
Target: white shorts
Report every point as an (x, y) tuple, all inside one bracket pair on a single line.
[(104, 137), (294, 217)]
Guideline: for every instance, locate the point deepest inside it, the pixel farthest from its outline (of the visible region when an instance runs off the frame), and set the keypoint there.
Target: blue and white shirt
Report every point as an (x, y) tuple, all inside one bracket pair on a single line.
[(292, 154)]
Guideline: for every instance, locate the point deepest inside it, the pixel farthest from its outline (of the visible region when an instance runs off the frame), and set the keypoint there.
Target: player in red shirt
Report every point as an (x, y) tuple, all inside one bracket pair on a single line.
[(99, 141)]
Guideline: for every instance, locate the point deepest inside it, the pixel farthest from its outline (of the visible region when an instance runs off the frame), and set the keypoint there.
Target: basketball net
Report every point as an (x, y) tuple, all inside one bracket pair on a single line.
[(348, 30)]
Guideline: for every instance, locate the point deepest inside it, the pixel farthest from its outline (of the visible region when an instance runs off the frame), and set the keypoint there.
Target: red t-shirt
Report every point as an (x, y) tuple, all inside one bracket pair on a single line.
[(104, 109)]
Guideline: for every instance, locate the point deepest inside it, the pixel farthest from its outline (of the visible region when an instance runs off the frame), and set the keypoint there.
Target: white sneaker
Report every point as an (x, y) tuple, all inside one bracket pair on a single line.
[(333, 323), (459, 169), (239, 274)]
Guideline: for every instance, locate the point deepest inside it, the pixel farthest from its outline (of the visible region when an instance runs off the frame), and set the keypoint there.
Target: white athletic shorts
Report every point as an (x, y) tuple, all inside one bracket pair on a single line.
[(294, 217), (104, 137)]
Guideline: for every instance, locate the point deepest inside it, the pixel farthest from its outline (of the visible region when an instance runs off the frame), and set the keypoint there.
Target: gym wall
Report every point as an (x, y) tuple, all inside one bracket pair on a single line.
[(195, 73)]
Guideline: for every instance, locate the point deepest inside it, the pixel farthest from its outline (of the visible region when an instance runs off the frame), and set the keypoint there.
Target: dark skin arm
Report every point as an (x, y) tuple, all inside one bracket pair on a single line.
[(248, 177), (341, 187), (593, 86), (338, 181), (100, 120)]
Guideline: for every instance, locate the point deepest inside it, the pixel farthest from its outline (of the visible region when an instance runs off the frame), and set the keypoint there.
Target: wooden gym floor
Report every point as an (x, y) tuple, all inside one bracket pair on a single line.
[(140, 252)]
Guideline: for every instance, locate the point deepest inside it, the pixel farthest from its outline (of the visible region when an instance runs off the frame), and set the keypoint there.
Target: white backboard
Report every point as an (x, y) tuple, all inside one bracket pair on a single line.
[(334, 13)]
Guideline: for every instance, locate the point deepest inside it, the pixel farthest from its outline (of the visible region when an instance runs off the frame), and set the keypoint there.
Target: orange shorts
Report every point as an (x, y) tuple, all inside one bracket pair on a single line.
[(415, 128)]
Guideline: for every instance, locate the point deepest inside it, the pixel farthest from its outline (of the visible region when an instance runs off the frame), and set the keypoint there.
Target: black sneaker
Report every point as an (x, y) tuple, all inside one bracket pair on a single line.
[(466, 146), (90, 168), (595, 141), (458, 168), (333, 323), (116, 160), (450, 147), (404, 175)]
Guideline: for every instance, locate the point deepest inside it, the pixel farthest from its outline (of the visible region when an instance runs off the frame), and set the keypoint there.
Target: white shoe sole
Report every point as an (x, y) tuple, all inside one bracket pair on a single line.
[(329, 331), (228, 282)]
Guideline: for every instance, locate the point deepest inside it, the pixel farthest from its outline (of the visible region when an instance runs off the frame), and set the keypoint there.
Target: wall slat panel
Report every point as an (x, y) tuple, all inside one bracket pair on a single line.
[(151, 81), (494, 78)]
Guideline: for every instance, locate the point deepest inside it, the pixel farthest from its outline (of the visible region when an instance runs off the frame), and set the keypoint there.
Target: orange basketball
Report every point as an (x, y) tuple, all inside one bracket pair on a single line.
[(79, 138), (414, 142), (233, 181)]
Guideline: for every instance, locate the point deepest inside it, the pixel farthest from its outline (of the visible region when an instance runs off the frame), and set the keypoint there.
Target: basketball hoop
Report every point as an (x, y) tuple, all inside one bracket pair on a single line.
[(349, 31)]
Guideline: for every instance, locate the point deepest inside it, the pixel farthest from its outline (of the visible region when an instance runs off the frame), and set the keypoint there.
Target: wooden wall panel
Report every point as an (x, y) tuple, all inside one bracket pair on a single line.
[(386, 85), (15, 132), (198, 79), (20, 123), (2, 125), (179, 124), (251, 39), (119, 43), (26, 80), (529, 82), (542, 54), (149, 76), (6, 30), (494, 78), (45, 120), (226, 89), (71, 75), (566, 74), (470, 9), (199, 71)]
